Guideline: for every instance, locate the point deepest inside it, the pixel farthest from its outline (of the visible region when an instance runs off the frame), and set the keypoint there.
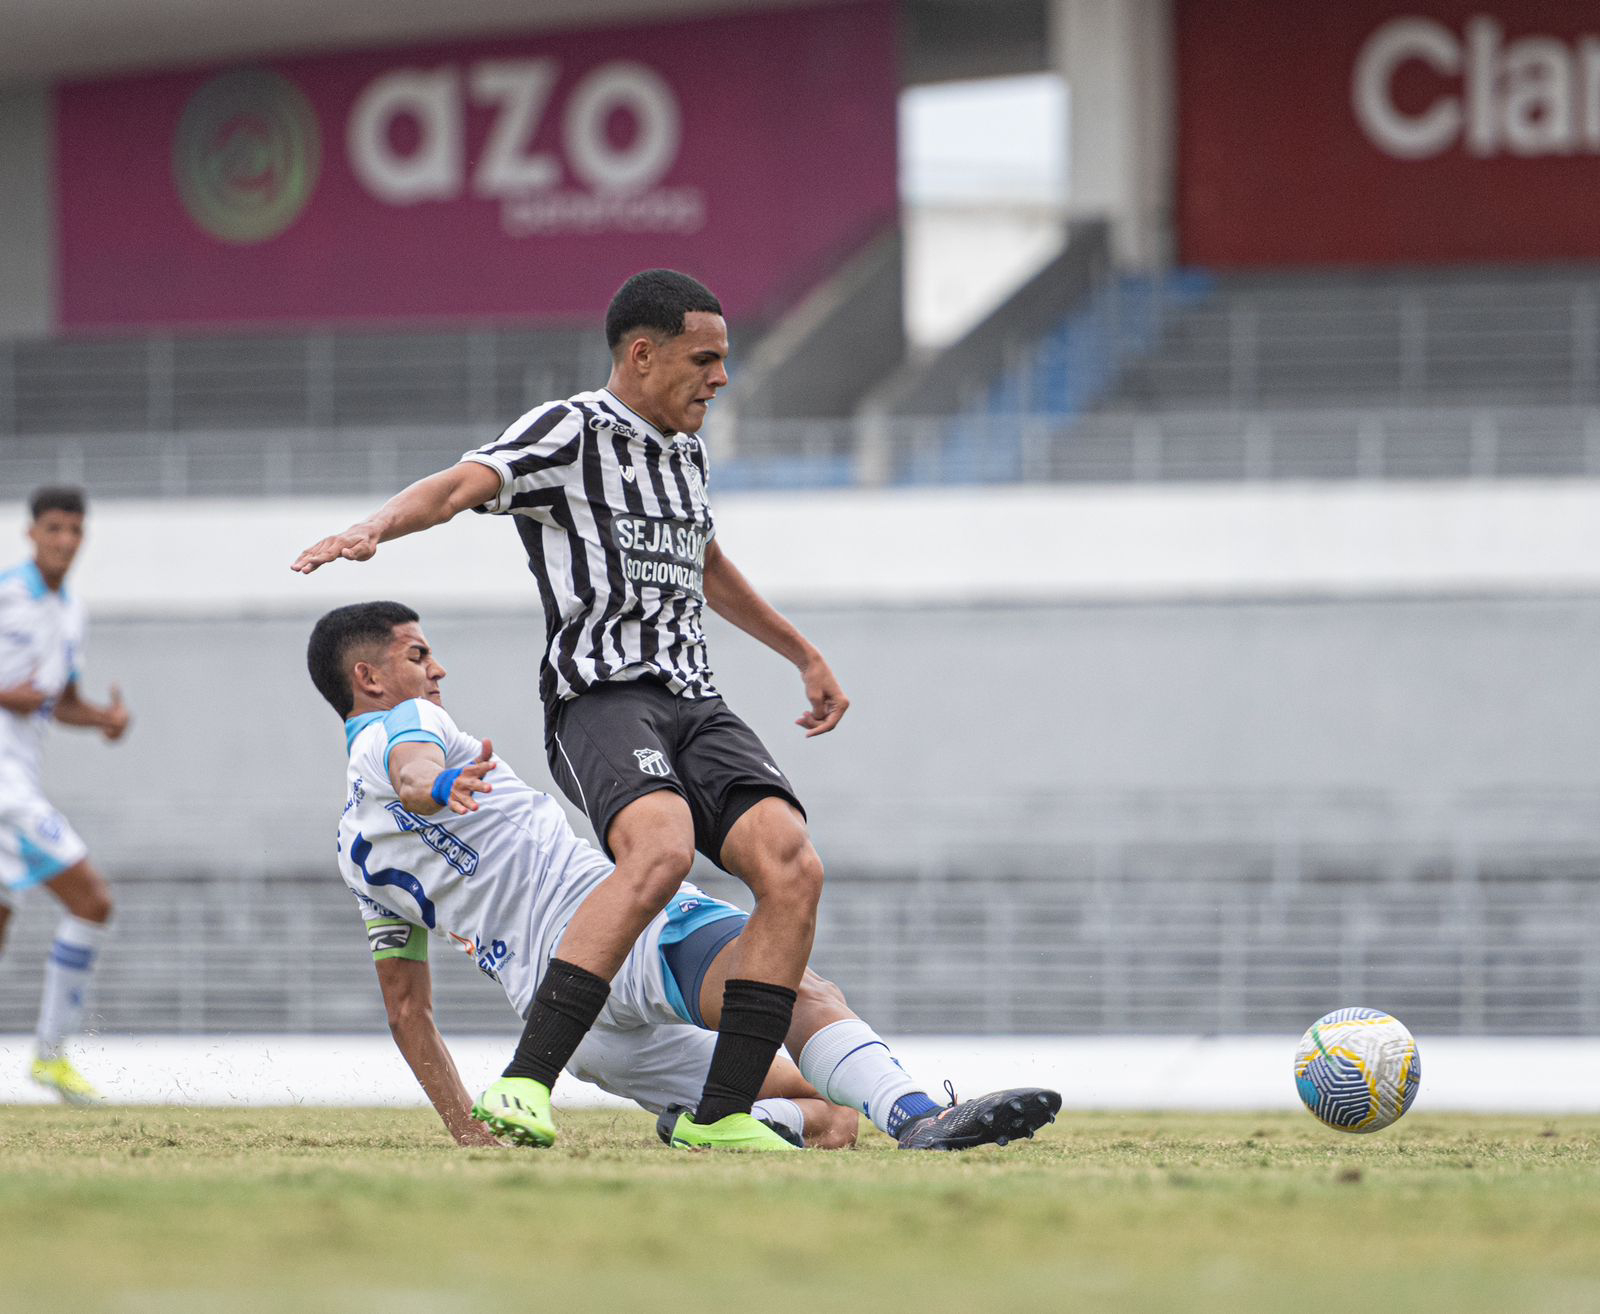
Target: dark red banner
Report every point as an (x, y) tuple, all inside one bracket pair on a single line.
[(521, 178), (1376, 132)]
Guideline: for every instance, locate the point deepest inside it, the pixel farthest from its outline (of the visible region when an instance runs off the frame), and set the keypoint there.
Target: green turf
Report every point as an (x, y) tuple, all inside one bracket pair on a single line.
[(310, 1210)]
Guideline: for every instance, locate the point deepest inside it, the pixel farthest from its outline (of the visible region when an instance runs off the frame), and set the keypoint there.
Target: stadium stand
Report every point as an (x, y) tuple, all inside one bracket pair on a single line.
[(1461, 373), (1454, 338), (1181, 375), (230, 382), (1115, 914)]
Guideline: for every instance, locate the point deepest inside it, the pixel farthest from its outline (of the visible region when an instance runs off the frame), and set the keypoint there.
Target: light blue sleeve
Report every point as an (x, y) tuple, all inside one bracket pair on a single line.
[(414, 722)]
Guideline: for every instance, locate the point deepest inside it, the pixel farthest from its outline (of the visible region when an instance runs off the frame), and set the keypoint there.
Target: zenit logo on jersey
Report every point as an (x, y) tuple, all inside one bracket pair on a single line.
[(602, 422)]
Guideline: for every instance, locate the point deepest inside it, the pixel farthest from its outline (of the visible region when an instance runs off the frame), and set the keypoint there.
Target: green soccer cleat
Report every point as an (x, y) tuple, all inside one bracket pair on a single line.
[(738, 1131), (518, 1108), (59, 1075)]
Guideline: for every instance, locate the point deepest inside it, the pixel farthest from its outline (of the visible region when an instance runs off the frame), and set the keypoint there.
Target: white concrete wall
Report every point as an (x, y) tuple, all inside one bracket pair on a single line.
[(27, 220), (957, 546), (1003, 643)]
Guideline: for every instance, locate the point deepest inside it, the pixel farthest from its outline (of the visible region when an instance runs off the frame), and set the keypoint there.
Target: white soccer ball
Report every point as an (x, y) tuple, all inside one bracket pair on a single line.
[(1357, 1069)]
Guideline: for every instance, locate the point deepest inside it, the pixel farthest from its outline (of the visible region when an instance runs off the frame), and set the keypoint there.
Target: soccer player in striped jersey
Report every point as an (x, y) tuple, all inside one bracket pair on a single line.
[(608, 493), (440, 838), (41, 649)]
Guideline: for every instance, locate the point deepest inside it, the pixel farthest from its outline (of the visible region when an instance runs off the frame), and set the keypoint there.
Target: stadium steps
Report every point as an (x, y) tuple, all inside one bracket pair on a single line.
[(1205, 936), (1528, 337)]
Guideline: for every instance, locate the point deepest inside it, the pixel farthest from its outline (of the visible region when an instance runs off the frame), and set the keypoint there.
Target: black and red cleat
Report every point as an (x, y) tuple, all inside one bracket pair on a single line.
[(997, 1119)]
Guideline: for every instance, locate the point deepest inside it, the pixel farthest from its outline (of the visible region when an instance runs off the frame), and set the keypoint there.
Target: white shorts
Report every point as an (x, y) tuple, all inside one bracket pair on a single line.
[(646, 991), (648, 1044), (654, 1066), (36, 841)]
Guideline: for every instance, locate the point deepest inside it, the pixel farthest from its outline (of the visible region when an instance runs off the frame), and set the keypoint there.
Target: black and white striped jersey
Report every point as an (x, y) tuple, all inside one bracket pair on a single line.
[(614, 518)]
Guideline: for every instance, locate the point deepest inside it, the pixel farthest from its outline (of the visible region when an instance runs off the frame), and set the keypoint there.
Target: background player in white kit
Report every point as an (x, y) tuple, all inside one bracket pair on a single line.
[(41, 649), (437, 836)]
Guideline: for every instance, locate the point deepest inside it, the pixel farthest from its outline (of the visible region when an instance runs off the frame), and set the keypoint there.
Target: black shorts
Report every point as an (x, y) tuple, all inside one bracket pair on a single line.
[(621, 741)]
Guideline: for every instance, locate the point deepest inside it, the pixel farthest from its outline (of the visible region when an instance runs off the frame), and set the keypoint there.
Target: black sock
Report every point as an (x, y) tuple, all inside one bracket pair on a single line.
[(564, 1008), (755, 1019)]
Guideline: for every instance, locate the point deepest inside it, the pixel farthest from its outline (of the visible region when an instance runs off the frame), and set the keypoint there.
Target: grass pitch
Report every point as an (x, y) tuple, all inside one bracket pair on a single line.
[(339, 1210)]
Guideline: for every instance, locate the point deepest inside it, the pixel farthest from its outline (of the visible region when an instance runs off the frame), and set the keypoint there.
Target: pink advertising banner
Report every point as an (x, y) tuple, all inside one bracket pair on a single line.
[(520, 178)]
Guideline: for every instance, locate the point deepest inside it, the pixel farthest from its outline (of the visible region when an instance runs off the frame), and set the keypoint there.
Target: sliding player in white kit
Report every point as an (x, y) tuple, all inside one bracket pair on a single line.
[(41, 646), (438, 837)]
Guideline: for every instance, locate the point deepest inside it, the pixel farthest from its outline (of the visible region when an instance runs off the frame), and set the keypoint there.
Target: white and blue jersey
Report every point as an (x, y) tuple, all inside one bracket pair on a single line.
[(41, 643), (500, 883)]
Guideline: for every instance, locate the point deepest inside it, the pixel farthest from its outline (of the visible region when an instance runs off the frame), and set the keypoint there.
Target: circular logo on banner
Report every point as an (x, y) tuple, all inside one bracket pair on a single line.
[(247, 155)]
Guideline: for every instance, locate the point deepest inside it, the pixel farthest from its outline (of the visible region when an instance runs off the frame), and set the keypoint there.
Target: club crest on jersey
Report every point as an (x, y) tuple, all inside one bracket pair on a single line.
[(691, 476), (629, 473), (651, 762)]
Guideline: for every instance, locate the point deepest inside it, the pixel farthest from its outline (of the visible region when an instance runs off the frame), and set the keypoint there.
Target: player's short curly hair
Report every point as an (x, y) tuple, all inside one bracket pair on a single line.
[(342, 629), (658, 300), (57, 497)]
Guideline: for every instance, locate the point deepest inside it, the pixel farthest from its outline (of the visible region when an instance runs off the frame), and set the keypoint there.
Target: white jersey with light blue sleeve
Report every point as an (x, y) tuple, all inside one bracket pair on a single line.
[(500, 883), (41, 643)]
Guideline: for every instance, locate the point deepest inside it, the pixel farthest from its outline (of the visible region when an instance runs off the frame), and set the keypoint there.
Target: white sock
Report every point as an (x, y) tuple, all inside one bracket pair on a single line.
[(67, 973), (849, 1064), (785, 1113)]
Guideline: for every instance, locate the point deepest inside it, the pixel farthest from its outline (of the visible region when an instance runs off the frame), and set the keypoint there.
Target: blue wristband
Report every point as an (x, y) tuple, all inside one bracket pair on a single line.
[(442, 784)]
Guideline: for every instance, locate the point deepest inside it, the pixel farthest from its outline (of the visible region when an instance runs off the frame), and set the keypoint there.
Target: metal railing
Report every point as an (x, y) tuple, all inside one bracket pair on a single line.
[(1376, 443), (314, 381), (1173, 340), (1458, 340), (1088, 913)]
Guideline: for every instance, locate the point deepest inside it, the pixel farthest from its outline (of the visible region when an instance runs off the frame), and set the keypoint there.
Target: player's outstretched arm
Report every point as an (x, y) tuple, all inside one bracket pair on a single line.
[(111, 720), (417, 772), (426, 503), (735, 599), (407, 989)]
